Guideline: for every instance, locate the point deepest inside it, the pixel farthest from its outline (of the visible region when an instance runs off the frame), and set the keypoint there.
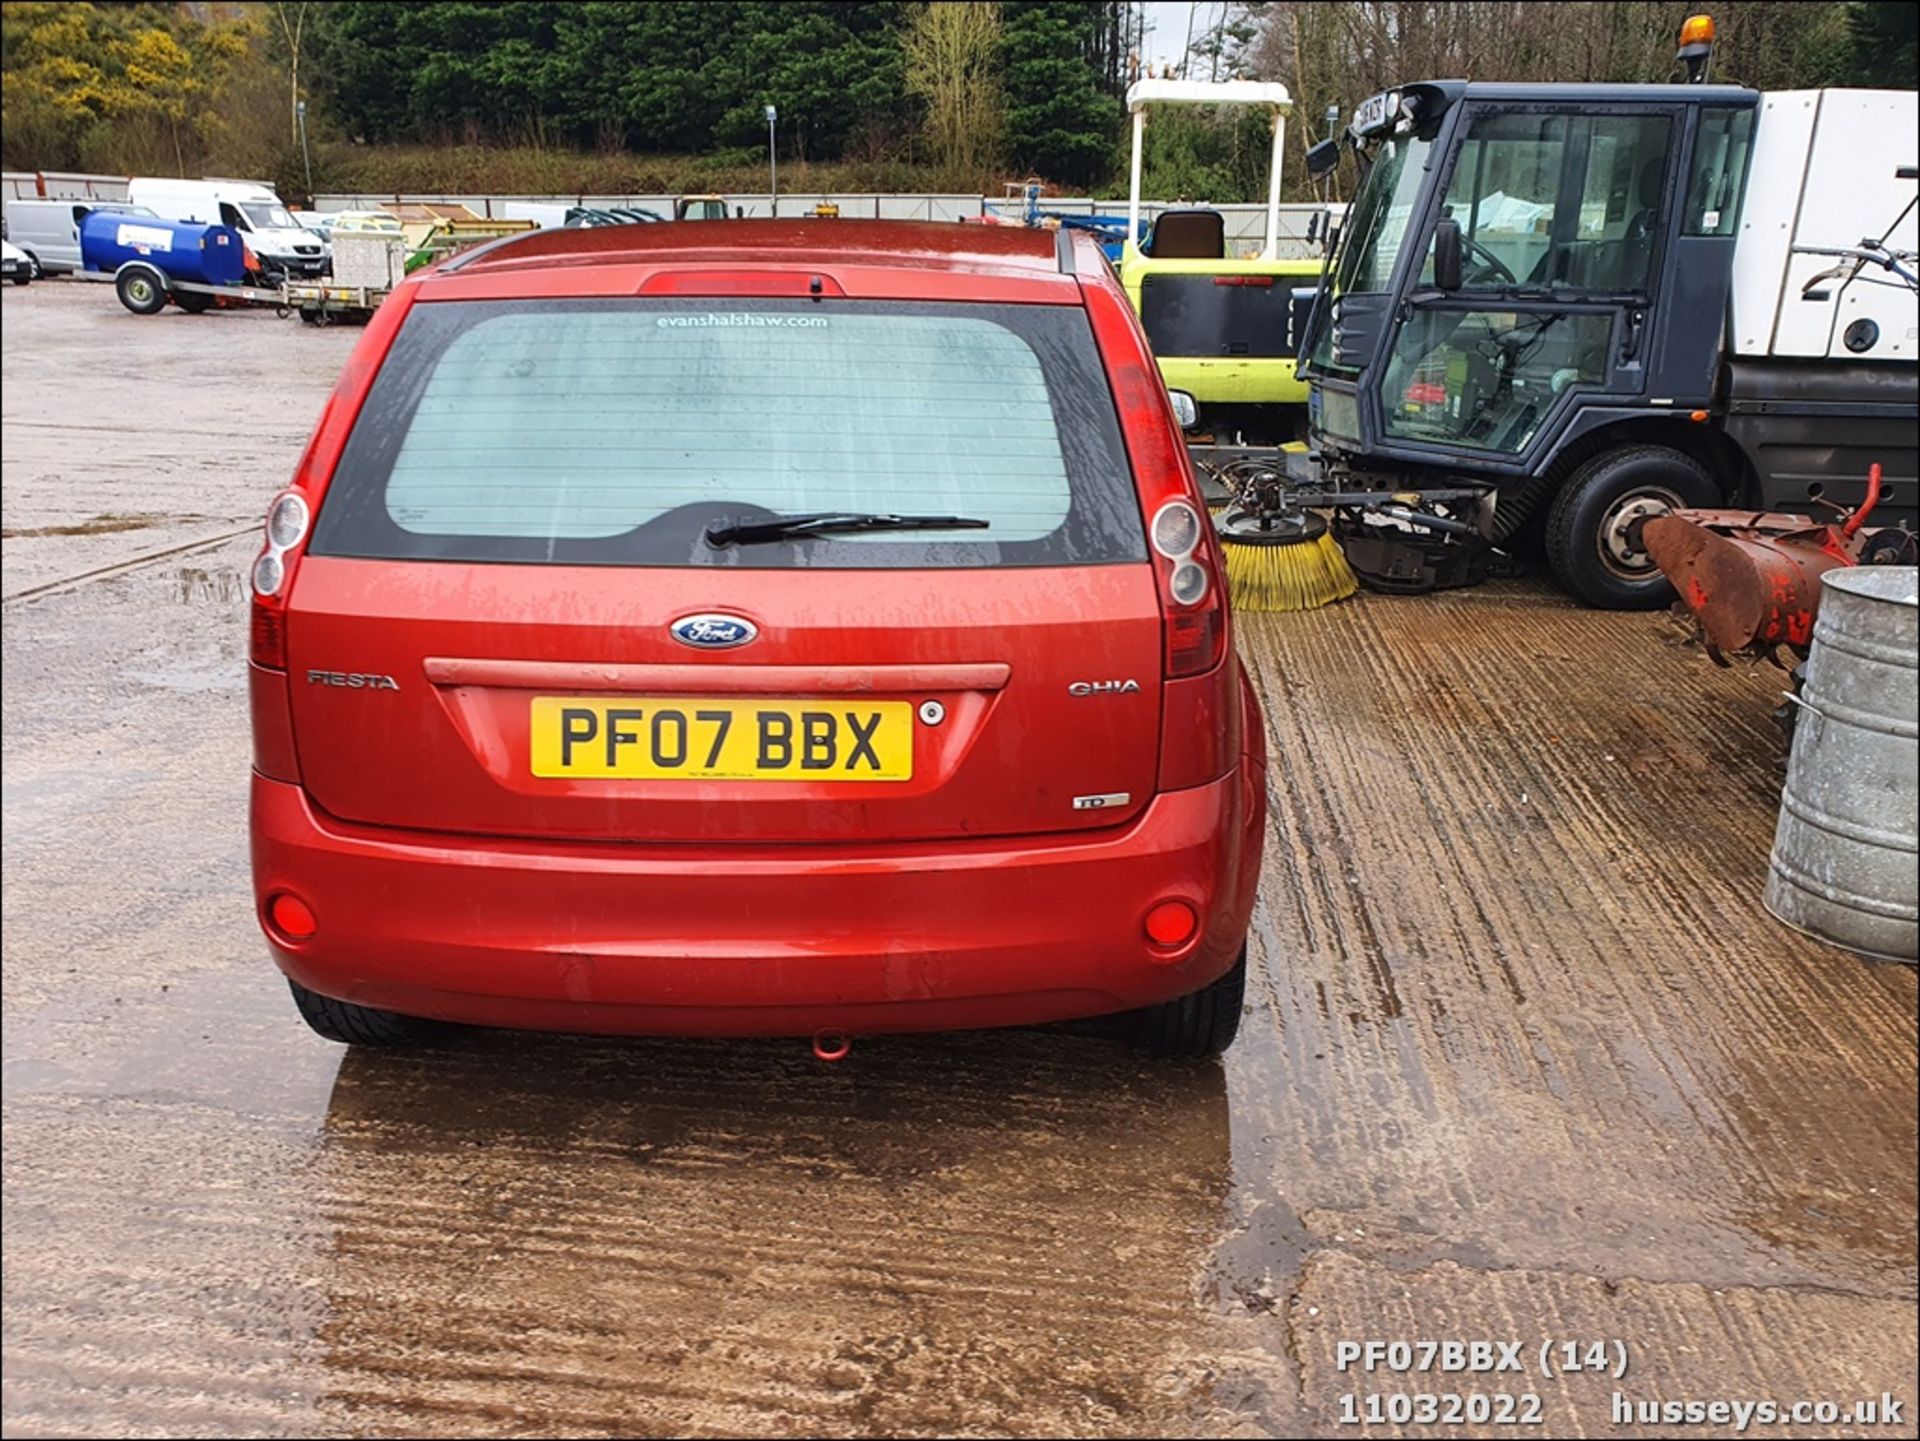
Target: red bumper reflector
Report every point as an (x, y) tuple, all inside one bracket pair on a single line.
[(292, 917), (1264, 282), (1171, 923)]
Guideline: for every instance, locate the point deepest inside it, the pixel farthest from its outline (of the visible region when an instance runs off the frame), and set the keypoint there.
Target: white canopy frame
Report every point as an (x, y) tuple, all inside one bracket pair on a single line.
[(1144, 93)]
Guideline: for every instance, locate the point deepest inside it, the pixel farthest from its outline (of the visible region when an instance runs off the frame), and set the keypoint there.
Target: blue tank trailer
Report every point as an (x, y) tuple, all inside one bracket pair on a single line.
[(198, 254), (153, 262)]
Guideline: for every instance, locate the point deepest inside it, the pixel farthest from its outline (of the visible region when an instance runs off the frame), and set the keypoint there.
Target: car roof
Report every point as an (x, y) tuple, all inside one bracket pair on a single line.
[(1010, 251)]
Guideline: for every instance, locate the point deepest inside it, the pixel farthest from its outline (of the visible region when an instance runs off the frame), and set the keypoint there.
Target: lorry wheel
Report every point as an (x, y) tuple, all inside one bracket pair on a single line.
[(1593, 530), (141, 291)]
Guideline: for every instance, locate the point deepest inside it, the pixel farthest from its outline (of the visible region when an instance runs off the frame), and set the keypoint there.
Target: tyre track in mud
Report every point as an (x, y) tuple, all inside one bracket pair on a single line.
[(1527, 1015)]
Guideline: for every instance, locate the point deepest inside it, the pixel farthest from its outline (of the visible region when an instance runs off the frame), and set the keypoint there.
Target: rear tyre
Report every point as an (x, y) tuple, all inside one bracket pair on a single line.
[(1593, 531), (352, 1025), (1197, 1025), (141, 291)]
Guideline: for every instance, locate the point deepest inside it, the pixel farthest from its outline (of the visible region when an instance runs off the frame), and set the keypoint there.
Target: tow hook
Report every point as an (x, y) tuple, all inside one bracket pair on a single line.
[(831, 1046)]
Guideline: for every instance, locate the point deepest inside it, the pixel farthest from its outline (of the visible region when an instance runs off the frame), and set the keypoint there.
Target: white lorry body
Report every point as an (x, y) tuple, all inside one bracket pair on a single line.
[(1830, 169), (284, 247)]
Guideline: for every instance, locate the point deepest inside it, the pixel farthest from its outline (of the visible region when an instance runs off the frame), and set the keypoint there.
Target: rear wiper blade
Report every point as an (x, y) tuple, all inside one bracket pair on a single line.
[(832, 522)]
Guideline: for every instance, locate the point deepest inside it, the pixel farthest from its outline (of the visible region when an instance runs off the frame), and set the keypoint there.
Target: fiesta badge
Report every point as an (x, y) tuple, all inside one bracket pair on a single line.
[(713, 632)]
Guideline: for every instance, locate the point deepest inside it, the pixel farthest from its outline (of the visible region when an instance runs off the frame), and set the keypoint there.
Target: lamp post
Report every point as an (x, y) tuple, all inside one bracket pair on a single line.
[(300, 114), (1333, 133), (773, 173)]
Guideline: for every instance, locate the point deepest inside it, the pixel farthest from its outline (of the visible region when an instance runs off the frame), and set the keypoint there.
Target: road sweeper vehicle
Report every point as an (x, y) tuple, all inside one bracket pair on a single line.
[(1568, 309)]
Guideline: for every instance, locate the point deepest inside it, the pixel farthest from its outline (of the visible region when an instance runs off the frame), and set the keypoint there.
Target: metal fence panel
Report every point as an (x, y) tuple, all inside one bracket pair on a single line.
[(63, 185), (1245, 224)]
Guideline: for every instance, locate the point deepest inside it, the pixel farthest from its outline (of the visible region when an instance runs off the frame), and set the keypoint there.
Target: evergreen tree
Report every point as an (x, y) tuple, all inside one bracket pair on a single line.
[(1059, 123)]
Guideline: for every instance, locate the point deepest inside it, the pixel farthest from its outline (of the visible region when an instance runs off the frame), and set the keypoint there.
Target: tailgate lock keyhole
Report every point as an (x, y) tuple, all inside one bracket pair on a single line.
[(932, 712)]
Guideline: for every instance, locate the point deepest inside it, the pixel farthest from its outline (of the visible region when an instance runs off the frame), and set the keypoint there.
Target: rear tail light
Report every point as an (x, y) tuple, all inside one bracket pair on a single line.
[(1185, 554), (268, 572), (1176, 529), (1193, 642), (1193, 627), (1194, 617), (287, 521), (1200, 717), (1188, 586)]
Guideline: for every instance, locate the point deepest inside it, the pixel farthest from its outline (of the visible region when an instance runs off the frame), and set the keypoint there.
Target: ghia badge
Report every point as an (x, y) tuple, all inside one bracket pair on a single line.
[(713, 632), (1104, 687)]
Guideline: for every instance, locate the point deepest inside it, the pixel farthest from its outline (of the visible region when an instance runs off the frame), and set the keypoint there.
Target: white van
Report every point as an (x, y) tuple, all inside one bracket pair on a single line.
[(49, 230), (284, 248)]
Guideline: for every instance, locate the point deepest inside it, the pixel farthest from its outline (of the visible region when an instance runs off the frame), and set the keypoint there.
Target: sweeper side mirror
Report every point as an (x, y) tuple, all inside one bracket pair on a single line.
[(1322, 158), (1184, 409), (1448, 253)]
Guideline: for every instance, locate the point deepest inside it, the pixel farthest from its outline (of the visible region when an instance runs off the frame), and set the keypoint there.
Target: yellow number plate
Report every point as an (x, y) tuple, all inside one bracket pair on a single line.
[(741, 740)]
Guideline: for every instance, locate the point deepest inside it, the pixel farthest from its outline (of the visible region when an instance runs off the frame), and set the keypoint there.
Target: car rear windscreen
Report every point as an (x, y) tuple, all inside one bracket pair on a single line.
[(619, 432)]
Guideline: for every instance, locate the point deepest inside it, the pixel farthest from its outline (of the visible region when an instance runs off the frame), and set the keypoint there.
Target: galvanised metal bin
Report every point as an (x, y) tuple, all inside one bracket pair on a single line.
[(1846, 863)]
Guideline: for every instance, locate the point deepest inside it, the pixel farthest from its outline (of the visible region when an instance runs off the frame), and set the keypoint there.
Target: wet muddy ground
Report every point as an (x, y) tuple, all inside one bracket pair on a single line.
[(1524, 1060)]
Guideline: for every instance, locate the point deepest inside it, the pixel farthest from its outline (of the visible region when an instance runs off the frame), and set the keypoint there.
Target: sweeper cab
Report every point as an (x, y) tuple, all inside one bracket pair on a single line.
[(1559, 311)]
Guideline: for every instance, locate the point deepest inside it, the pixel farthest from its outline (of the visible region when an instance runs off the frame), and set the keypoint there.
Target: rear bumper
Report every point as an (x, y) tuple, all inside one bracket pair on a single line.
[(773, 940)]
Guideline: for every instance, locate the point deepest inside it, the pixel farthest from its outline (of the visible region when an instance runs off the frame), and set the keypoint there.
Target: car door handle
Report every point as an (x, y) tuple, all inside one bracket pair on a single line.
[(1636, 324)]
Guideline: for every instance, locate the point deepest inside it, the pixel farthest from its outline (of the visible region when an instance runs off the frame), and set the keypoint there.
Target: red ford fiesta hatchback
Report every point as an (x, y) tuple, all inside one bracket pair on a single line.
[(794, 628)]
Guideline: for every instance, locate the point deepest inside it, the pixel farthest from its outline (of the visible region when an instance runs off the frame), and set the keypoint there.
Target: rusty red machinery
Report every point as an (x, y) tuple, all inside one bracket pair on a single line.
[(1751, 579)]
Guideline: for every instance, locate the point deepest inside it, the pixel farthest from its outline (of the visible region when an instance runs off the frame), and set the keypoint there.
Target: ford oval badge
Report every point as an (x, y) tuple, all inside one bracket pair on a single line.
[(713, 632)]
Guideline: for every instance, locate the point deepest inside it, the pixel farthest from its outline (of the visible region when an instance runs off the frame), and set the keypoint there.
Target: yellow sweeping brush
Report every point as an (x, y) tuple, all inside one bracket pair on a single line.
[(1283, 562)]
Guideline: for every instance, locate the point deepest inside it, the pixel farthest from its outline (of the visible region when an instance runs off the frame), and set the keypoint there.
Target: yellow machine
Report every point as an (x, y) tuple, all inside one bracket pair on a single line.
[(1225, 328)]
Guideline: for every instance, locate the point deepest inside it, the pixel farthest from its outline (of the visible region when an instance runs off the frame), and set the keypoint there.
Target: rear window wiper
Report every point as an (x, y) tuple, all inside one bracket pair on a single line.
[(832, 522)]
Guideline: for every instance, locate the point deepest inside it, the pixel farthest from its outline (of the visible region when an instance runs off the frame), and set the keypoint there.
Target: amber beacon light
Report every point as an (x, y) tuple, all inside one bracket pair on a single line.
[(1696, 46)]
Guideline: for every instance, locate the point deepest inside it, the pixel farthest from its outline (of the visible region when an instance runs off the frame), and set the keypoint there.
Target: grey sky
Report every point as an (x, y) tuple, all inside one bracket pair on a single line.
[(1168, 18)]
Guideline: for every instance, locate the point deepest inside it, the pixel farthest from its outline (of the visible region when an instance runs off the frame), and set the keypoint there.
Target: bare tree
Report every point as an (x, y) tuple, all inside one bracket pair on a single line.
[(953, 55), (1339, 52), (1372, 44), (292, 15)]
